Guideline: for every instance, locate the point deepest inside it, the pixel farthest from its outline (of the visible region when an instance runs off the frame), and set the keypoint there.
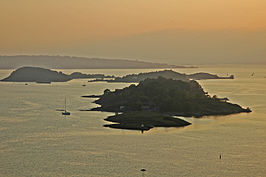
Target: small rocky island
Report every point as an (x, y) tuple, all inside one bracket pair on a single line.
[(169, 74), (162, 97), (42, 75), (144, 121)]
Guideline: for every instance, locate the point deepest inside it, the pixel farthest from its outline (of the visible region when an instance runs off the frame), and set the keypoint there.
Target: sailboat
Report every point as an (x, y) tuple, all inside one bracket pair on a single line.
[(65, 112)]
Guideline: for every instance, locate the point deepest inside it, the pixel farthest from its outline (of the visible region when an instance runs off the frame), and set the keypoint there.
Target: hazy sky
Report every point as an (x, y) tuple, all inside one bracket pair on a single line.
[(175, 31)]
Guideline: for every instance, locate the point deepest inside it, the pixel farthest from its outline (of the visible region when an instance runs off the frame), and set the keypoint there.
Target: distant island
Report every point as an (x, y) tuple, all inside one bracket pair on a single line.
[(70, 62), (169, 74), (42, 75)]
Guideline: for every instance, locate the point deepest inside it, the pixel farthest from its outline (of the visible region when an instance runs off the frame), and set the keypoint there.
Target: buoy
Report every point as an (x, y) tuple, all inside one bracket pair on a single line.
[(142, 128)]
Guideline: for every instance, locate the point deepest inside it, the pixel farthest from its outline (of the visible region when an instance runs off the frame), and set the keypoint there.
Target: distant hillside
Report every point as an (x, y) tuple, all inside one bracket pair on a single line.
[(168, 74), (42, 75), (67, 62)]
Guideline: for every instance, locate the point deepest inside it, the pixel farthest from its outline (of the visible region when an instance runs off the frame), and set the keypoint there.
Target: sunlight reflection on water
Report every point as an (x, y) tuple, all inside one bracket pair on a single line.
[(36, 140)]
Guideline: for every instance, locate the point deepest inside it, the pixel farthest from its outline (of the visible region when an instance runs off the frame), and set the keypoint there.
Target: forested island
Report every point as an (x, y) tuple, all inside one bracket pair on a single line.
[(42, 75), (166, 97), (169, 74), (153, 102)]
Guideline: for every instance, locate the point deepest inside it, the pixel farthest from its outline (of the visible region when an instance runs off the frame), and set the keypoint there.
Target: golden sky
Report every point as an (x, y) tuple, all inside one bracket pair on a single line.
[(38, 24)]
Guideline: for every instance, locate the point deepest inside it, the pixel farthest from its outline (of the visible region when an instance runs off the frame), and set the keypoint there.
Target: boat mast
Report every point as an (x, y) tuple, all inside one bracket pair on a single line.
[(65, 104)]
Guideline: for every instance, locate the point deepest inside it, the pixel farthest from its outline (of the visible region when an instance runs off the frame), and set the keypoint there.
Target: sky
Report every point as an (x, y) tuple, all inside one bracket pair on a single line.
[(170, 31)]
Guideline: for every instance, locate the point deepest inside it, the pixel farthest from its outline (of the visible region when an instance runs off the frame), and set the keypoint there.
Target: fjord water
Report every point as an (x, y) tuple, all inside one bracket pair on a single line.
[(36, 140)]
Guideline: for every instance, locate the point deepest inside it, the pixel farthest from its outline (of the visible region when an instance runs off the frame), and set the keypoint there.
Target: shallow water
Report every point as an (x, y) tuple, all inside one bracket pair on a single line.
[(36, 140)]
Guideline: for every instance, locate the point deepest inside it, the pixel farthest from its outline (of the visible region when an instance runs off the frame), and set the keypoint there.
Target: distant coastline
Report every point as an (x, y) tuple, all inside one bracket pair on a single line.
[(72, 62), (43, 75)]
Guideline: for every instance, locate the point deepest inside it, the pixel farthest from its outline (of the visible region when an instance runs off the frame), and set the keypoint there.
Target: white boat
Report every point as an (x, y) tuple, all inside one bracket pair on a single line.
[(65, 112)]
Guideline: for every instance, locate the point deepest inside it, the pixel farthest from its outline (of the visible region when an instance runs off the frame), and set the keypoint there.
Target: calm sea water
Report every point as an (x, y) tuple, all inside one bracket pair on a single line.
[(36, 140)]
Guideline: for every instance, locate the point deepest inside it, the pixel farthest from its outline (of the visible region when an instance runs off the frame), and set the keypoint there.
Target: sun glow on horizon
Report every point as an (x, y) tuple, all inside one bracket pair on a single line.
[(35, 26)]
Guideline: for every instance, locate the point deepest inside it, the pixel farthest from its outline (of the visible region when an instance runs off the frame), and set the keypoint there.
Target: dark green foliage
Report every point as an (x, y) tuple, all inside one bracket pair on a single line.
[(167, 96)]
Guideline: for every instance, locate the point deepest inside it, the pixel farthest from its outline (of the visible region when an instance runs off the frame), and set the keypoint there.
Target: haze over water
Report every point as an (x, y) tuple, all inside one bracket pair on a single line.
[(175, 32), (36, 140)]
